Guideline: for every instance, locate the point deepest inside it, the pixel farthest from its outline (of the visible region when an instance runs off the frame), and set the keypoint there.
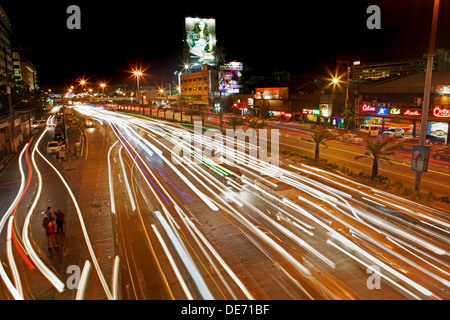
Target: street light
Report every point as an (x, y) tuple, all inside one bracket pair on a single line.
[(103, 86), (427, 92), (138, 74)]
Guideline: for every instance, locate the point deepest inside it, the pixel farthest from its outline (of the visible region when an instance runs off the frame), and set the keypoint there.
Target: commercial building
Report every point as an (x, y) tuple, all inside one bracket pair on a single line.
[(388, 69), (6, 63), (200, 89), (25, 74), (398, 103)]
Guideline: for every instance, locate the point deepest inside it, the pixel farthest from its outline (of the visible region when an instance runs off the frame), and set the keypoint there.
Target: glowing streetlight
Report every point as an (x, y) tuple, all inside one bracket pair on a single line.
[(138, 74), (103, 86)]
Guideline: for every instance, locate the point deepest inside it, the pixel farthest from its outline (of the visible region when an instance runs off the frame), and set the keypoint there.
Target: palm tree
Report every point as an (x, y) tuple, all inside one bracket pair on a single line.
[(377, 151), (160, 108), (255, 125), (236, 122), (318, 138)]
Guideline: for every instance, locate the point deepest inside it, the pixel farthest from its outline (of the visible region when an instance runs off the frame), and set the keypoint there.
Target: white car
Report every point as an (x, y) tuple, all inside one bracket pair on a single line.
[(395, 132), (54, 146), (353, 138)]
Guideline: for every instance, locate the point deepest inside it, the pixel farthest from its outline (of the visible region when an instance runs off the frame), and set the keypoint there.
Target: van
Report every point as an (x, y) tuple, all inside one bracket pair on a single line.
[(371, 129), (39, 123)]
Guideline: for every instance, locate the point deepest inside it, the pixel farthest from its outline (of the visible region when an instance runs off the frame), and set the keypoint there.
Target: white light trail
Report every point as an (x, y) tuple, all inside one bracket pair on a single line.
[(127, 184), (111, 187), (187, 261), (173, 264)]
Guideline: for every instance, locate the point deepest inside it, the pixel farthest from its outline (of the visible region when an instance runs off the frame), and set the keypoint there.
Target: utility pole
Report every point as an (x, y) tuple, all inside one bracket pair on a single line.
[(427, 92)]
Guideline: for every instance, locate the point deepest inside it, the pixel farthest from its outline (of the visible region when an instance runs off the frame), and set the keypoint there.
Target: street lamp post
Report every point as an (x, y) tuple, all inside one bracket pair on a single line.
[(427, 91), (138, 74), (103, 85)]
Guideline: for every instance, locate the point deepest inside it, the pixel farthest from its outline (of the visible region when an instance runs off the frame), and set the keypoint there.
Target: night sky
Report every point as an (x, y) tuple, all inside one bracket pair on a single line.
[(288, 35)]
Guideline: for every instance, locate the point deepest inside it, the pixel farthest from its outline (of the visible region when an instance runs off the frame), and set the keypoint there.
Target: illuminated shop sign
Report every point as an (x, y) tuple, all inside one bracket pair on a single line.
[(383, 111), (368, 108), (316, 112), (325, 109), (441, 112), (395, 110), (272, 93), (412, 113), (442, 89)]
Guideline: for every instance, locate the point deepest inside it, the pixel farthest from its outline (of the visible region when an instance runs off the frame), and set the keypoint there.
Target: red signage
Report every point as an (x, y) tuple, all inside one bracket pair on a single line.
[(441, 112), (442, 89), (368, 108), (412, 113)]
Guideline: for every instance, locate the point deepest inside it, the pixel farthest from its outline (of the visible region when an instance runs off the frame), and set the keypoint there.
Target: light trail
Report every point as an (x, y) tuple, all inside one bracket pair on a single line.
[(330, 202), (111, 187)]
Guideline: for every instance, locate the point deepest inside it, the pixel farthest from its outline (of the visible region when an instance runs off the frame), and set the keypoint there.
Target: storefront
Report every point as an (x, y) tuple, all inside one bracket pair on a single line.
[(408, 118)]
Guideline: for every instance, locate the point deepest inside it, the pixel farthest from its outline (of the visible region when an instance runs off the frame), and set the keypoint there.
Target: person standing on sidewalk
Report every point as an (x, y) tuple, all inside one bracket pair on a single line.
[(59, 221), (49, 213), (49, 232)]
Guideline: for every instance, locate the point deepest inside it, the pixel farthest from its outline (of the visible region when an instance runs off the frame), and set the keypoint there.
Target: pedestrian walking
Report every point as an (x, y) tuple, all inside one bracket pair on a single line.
[(49, 232), (60, 221)]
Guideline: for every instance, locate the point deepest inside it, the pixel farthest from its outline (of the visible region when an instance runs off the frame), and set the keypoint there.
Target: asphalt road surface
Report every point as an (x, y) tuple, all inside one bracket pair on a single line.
[(160, 211)]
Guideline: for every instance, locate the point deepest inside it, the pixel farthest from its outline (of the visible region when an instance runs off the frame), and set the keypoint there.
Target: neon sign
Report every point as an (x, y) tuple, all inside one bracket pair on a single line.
[(383, 111), (368, 108), (441, 113), (442, 89), (395, 110), (412, 113)]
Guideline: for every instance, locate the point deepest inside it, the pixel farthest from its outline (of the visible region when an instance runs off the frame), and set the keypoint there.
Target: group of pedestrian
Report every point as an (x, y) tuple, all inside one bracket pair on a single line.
[(53, 224)]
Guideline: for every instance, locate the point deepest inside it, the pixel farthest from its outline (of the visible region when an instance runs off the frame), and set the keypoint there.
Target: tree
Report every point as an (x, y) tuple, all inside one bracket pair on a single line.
[(255, 124), (318, 138), (265, 112), (160, 108), (349, 118), (378, 150), (236, 122)]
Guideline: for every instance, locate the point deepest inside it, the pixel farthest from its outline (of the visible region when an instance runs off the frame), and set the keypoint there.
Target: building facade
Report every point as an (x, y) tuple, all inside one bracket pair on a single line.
[(398, 103), (25, 74), (388, 69), (6, 62), (200, 88)]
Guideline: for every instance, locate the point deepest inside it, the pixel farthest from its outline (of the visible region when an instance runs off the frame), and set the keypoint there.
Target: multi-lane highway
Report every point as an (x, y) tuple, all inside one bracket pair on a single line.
[(186, 216)]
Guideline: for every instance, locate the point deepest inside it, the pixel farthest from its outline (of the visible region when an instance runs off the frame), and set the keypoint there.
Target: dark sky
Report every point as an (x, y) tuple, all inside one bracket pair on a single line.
[(288, 35)]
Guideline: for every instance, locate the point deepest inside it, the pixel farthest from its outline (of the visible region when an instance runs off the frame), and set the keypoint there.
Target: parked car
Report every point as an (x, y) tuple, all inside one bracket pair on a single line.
[(353, 138), (370, 129), (434, 140), (442, 154), (54, 146), (395, 132)]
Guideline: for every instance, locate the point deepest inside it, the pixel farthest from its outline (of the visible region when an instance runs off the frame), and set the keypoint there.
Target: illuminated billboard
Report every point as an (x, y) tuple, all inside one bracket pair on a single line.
[(200, 41), (272, 93), (230, 76)]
